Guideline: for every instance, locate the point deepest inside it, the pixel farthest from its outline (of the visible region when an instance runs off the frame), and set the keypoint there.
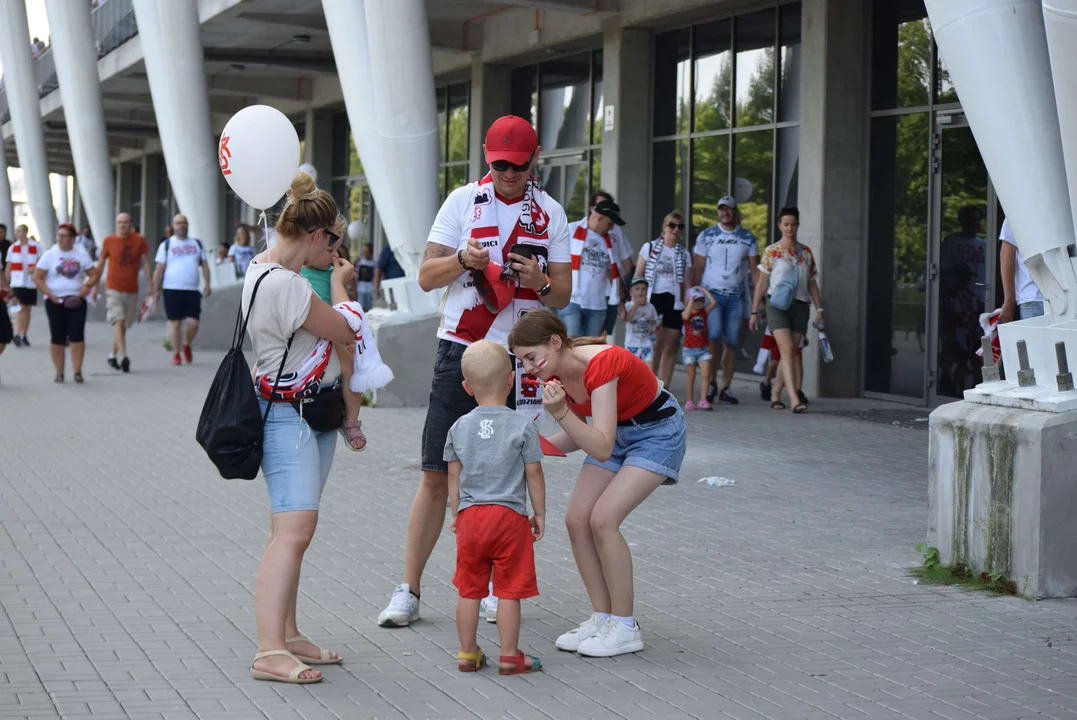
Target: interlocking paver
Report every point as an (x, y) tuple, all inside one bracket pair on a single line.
[(127, 567)]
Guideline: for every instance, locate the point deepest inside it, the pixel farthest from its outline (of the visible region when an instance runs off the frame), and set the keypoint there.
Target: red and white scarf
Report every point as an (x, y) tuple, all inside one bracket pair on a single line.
[(368, 370), (579, 241)]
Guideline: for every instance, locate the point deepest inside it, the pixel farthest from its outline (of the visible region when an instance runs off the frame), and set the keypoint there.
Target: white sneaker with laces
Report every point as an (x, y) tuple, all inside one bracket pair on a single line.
[(488, 605), (570, 641), (613, 638), (403, 608)]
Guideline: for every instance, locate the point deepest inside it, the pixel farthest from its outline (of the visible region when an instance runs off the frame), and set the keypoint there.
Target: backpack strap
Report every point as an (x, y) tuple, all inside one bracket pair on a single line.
[(280, 370), (239, 332)]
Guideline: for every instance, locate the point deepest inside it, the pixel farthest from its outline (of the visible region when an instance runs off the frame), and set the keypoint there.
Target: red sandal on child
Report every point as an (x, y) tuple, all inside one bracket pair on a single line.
[(519, 661)]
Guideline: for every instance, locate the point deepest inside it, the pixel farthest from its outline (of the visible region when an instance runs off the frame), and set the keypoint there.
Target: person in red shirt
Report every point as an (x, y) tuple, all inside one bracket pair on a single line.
[(635, 443), (125, 252), (696, 347)]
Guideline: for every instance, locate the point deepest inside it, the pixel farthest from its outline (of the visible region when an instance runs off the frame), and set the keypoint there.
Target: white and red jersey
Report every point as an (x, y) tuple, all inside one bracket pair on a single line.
[(477, 211), (596, 267), (22, 259)]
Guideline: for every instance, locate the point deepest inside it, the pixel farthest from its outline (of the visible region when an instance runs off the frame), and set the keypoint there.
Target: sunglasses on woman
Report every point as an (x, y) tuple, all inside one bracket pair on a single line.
[(675, 226), (505, 165)]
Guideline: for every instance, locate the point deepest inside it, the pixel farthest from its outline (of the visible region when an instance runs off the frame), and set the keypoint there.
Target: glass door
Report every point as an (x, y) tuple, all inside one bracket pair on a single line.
[(564, 176), (963, 258)]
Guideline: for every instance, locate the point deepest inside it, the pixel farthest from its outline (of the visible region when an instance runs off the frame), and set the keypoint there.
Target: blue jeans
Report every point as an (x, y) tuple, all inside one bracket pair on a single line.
[(580, 322), (295, 459), (1030, 310), (611, 318), (723, 322), (657, 446), (366, 299)]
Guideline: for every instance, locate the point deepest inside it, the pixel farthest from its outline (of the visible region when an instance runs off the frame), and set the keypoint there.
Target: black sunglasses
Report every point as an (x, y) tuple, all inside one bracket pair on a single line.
[(505, 165), (675, 226), (333, 237)]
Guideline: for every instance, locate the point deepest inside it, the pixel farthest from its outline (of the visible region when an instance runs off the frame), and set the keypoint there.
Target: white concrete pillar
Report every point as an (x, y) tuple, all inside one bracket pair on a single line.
[(172, 46), (490, 99), (63, 205), (7, 208), (26, 116), (80, 91)]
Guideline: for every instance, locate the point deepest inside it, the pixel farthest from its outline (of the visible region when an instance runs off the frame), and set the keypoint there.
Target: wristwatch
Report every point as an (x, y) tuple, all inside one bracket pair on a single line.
[(545, 289)]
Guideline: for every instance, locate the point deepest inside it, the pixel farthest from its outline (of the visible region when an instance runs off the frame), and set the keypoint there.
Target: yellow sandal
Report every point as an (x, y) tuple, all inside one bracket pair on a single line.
[(292, 677), (477, 660), (325, 658)]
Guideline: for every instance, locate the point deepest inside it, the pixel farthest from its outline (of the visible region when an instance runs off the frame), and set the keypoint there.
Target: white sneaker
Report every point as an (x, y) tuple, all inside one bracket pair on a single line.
[(613, 638), (570, 641), (403, 608), (488, 605)]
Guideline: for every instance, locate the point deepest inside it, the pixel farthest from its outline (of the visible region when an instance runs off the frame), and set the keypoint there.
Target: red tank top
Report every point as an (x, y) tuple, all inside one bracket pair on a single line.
[(636, 387)]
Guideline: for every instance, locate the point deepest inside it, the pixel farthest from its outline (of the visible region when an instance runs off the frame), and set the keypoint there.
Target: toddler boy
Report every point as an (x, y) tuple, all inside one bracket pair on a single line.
[(695, 350), (494, 463), (641, 320)]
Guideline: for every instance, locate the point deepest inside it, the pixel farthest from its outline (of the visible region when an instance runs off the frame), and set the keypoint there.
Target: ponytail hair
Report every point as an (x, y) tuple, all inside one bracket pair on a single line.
[(539, 326), (307, 209)]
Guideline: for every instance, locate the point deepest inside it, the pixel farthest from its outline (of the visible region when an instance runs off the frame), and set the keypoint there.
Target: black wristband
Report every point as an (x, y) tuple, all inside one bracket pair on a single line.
[(460, 259)]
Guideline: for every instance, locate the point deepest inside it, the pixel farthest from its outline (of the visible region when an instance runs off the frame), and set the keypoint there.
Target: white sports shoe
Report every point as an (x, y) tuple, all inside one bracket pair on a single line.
[(570, 641), (403, 608), (613, 638), (488, 605)]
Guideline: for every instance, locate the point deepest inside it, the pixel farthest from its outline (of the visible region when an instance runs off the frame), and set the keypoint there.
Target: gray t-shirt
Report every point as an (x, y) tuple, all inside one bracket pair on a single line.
[(493, 444)]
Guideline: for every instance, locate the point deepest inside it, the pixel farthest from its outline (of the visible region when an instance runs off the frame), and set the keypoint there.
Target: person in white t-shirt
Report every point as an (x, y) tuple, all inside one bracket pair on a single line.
[(21, 259), (596, 266), (241, 253), (641, 321), (665, 264), (622, 250), (179, 259), (503, 224), (65, 275), (1023, 300)]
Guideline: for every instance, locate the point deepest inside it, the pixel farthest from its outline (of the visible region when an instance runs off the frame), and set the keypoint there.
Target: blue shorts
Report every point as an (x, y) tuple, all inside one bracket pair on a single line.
[(583, 323), (1031, 309), (694, 356), (723, 322), (657, 446), (295, 459), (643, 353)]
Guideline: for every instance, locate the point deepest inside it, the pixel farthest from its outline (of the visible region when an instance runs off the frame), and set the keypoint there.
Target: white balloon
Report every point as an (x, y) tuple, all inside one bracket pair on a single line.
[(355, 230), (743, 190), (310, 170), (259, 155)]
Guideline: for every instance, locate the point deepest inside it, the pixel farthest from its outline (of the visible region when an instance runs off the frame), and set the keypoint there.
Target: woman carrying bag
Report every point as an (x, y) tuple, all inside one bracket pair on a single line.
[(64, 275), (791, 283)]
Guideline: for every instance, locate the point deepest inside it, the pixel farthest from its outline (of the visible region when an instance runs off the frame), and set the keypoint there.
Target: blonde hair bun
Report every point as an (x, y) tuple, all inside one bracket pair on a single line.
[(303, 187)]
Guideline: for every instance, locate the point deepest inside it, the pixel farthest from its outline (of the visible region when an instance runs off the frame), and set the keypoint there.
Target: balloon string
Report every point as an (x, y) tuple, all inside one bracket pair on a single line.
[(265, 224)]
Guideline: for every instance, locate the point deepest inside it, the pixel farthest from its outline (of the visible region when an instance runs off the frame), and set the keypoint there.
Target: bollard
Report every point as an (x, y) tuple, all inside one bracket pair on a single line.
[(1026, 376), (990, 369), (1065, 377)]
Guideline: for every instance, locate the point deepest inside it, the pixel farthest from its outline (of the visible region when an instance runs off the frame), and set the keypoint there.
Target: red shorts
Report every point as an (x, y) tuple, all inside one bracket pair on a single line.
[(494, 537)]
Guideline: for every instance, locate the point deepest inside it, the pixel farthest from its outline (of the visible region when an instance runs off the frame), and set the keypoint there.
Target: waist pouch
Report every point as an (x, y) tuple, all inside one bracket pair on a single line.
[(324, 411)]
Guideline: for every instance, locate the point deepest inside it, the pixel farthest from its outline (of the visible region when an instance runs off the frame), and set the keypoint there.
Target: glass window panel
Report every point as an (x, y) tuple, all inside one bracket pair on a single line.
[(710, 181), (901, 62), (524, 95), (669, 181), (755, 69), (945, 92), (752, 180), (457, 178), (442, 97), (713, 75), (355, 167), (789, 101), (788, 172), (576, 190), (564, 102), (459, 96), (672, 75), (596, 172), (897, 255), (597, 101), (550, 179)]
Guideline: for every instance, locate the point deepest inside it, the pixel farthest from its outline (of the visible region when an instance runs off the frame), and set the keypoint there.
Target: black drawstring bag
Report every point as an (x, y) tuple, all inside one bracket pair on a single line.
[(230, 426)]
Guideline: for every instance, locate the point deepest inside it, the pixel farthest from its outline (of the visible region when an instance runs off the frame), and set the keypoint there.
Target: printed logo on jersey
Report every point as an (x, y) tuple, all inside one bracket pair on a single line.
[(486, 429)]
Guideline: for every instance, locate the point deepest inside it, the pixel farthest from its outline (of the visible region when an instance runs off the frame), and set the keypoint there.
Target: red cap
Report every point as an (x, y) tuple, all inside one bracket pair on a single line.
[(510, 138)]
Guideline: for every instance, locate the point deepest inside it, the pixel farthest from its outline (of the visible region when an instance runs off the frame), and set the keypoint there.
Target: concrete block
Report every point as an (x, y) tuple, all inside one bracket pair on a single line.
[(1002, 494)]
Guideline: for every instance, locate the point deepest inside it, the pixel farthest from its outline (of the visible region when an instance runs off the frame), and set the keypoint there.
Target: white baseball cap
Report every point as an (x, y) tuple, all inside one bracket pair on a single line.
[(729, 201)]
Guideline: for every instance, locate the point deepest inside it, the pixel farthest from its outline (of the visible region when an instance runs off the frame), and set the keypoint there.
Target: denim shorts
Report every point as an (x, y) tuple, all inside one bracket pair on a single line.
[(643, 353), (694, 356), (656, 446), (295, 459), (582, 323), (449, 402), (1031, 309), (723, 322)]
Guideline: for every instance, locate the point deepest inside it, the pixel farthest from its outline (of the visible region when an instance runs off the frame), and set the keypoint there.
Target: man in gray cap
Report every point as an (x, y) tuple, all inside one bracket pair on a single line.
[(722, 253)]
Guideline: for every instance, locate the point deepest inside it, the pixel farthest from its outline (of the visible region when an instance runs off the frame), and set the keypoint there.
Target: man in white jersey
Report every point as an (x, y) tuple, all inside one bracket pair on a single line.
[(21, 260), (597, 264), (719, 266), (179, 260), (1023, 300), (504, 222), (622, 249)]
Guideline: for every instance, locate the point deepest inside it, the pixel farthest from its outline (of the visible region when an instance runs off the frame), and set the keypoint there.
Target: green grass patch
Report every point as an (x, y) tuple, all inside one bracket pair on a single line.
[(933, 572)]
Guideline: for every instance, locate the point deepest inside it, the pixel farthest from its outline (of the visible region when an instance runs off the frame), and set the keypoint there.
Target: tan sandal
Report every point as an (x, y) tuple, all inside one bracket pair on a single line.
[(292, 677), (326, 658), (476, 661)]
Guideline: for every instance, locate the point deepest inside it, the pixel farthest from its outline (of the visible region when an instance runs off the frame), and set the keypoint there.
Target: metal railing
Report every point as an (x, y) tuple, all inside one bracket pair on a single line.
[(45, 73), (113, 25)]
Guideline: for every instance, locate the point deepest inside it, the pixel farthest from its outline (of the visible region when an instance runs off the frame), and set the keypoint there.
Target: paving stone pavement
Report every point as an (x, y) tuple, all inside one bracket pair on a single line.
[(127, 570)]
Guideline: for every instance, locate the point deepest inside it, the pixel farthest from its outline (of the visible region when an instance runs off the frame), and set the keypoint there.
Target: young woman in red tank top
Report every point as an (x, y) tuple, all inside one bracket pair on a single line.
[(635, 443)]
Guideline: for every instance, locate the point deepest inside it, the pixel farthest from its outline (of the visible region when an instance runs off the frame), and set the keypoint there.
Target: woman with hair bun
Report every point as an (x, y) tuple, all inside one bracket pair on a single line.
[(287, 321)]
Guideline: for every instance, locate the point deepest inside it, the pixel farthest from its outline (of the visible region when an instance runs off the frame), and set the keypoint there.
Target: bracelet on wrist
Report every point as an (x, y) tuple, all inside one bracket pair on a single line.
[(565, 415), (460, 259)]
